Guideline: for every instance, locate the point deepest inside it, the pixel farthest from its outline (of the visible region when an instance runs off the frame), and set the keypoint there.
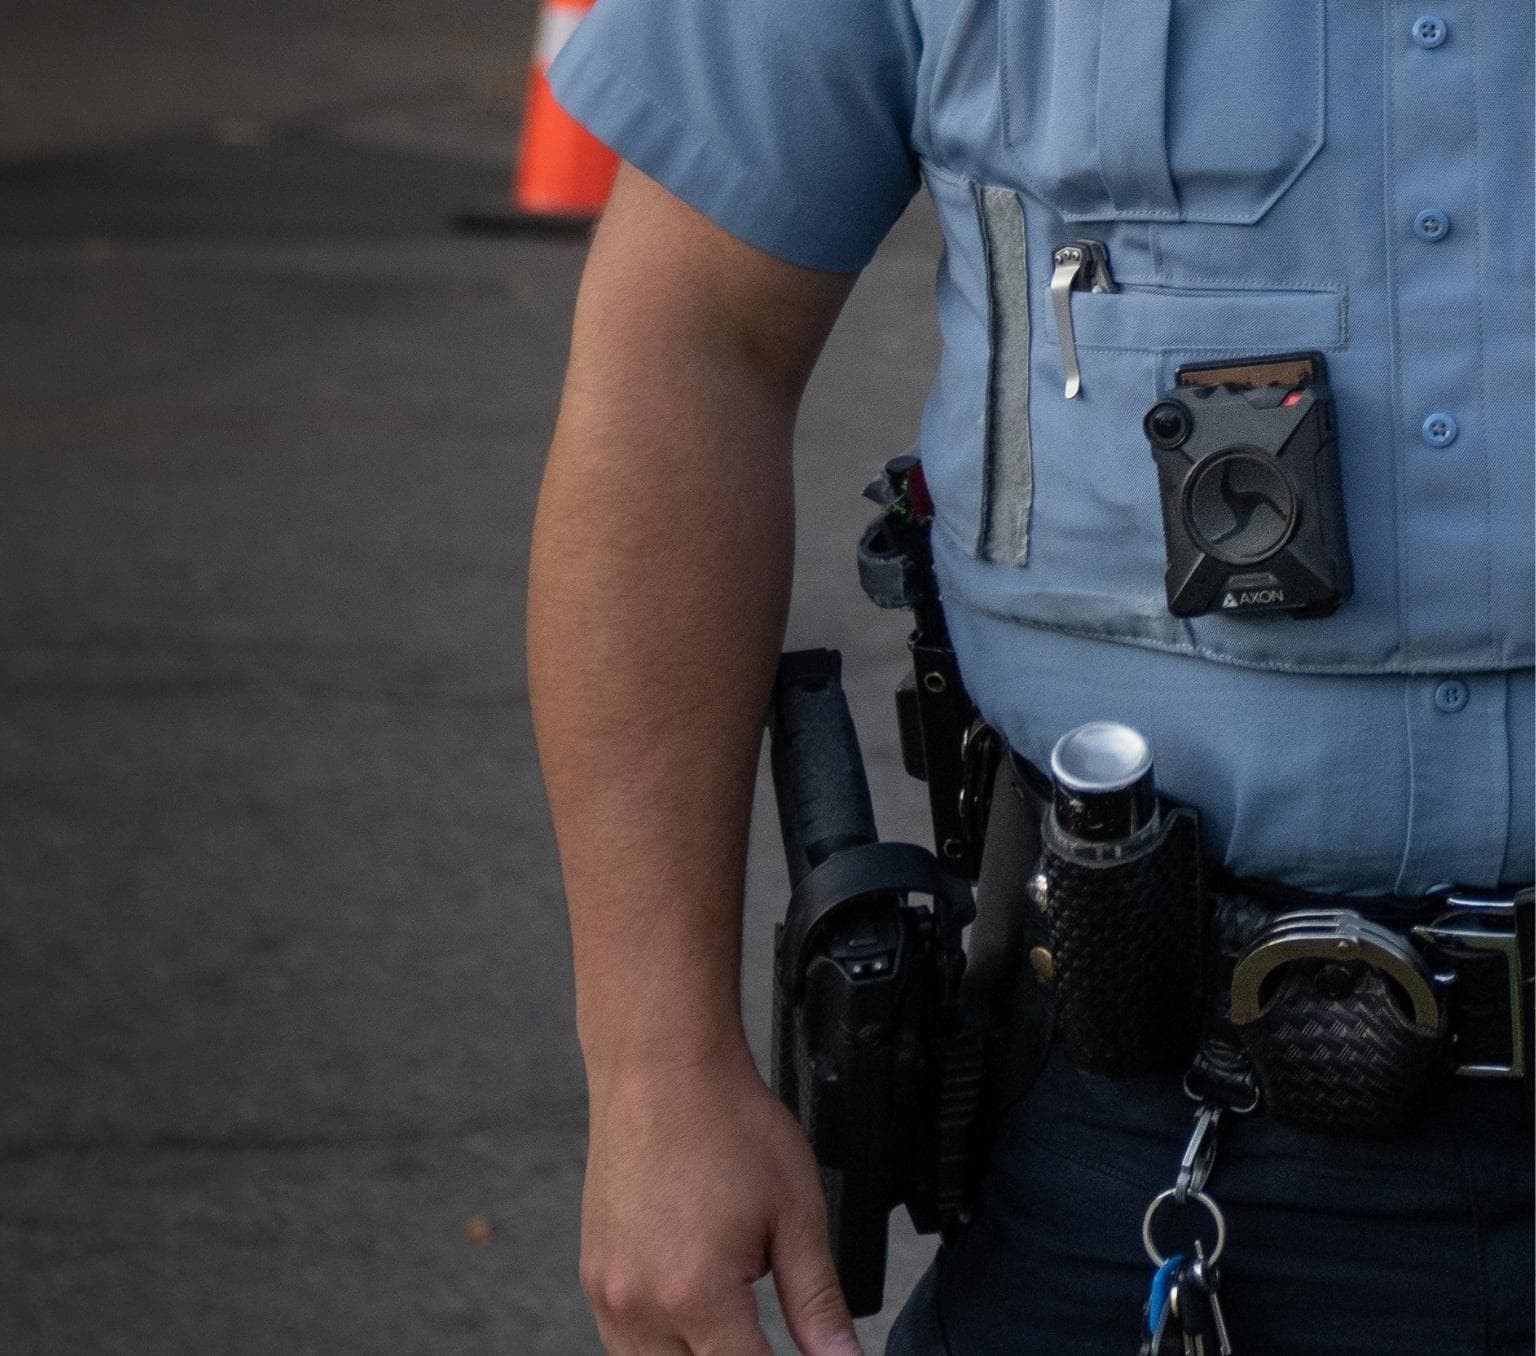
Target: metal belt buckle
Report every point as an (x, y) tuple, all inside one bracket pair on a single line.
[(1475, 948), (1333, 935)]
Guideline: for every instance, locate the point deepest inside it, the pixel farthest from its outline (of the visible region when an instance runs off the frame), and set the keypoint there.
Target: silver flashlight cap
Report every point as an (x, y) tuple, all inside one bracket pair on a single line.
[(1102, 788), (1101, 757)]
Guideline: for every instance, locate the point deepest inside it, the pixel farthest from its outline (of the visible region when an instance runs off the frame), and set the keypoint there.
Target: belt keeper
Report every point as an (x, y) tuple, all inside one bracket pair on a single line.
[(1476, 929)]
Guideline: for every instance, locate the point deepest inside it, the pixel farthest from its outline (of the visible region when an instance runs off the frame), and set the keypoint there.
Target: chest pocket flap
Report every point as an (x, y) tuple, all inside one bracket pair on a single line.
[(1162, 110)]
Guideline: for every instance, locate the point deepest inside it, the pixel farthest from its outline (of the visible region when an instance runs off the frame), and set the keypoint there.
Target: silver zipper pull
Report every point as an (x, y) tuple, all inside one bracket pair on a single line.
[(1082, 266)]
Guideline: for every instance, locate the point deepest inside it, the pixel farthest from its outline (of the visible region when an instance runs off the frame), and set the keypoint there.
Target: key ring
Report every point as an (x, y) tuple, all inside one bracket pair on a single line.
[(1168, 1194)]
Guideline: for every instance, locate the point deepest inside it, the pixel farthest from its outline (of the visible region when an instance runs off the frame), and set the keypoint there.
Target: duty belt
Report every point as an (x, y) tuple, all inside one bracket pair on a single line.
[(1464, 971), (1336, 1012), (1346, 1009)]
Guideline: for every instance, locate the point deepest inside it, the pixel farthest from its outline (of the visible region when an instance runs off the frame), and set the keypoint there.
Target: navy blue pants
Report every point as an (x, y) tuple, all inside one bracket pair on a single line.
[(1417, 1245)]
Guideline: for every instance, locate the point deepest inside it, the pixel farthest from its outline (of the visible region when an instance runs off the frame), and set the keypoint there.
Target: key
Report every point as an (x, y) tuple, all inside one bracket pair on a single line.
[(1168, 1338), (1191, 1308), (1200, 1308), (1162, 1327), (1160, 1330), (1223, 1341)]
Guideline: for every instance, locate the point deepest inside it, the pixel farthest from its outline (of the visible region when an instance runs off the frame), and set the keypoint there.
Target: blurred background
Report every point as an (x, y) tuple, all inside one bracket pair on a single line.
[(286, 1049)]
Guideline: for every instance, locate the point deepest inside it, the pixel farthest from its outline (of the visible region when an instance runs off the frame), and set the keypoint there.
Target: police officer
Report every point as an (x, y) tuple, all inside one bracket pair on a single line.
[(1264, 177)]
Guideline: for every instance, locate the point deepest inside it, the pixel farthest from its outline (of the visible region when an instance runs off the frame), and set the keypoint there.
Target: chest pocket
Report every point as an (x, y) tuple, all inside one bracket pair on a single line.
[(1162, 110)]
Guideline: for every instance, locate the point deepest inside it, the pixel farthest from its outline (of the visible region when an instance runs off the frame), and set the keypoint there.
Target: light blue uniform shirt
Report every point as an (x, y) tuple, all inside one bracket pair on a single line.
[(1267, 176)]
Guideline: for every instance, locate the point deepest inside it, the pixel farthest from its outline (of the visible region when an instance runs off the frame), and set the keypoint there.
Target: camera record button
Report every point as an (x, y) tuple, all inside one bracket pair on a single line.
[(1440, 429)]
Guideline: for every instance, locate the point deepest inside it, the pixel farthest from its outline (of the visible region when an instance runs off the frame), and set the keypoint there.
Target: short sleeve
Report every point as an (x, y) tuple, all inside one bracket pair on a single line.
[(787, 122)]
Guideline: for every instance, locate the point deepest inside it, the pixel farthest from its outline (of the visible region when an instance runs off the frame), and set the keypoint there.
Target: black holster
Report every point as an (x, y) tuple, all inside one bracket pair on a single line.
[(872, 1049)]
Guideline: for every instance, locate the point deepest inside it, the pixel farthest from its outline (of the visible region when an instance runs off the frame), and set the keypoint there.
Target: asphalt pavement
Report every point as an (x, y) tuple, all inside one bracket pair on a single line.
[(286, 1049)]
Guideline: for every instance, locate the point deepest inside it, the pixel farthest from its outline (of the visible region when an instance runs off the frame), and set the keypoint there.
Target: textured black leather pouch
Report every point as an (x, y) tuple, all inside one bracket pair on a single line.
[(1340, 1061), (1127, 939)]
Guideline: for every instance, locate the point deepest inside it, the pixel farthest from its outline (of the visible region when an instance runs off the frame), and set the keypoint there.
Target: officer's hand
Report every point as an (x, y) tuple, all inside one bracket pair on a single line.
[(698, 1183)]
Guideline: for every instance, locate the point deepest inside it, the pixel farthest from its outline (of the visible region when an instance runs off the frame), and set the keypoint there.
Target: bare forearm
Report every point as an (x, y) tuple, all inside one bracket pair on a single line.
[(656, 607), (659, 583)]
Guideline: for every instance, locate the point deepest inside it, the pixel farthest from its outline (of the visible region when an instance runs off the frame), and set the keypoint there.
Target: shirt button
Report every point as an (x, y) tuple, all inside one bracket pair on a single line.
[(1429, 31), (1451, 695), (1440, 429), (1431, 225)]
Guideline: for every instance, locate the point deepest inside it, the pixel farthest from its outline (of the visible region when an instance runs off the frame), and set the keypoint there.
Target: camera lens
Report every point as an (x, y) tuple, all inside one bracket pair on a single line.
[(1167, 424)]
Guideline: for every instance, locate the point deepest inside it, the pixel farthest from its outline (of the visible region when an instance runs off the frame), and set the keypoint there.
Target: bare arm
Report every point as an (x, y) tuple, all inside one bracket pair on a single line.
[(658, 590)]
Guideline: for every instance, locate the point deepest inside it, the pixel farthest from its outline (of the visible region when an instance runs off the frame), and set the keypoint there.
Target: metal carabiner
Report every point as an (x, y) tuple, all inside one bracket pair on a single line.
[(1199, 1154)]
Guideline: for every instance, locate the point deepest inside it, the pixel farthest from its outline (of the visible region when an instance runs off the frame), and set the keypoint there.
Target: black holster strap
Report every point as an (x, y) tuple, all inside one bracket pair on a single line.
[(862, 872)]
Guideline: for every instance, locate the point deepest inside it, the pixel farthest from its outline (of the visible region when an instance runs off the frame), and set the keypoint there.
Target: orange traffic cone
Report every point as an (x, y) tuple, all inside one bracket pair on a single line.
[(562, 173)]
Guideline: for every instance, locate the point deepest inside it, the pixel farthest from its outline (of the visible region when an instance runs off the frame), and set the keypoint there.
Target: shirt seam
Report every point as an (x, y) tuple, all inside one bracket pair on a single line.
[(1482, 346), (738, 170), (1231, 660), (1175, 347), (1413, 785), (1337, 344), (1474, 1220), (1200, 651), (1394, 323)]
